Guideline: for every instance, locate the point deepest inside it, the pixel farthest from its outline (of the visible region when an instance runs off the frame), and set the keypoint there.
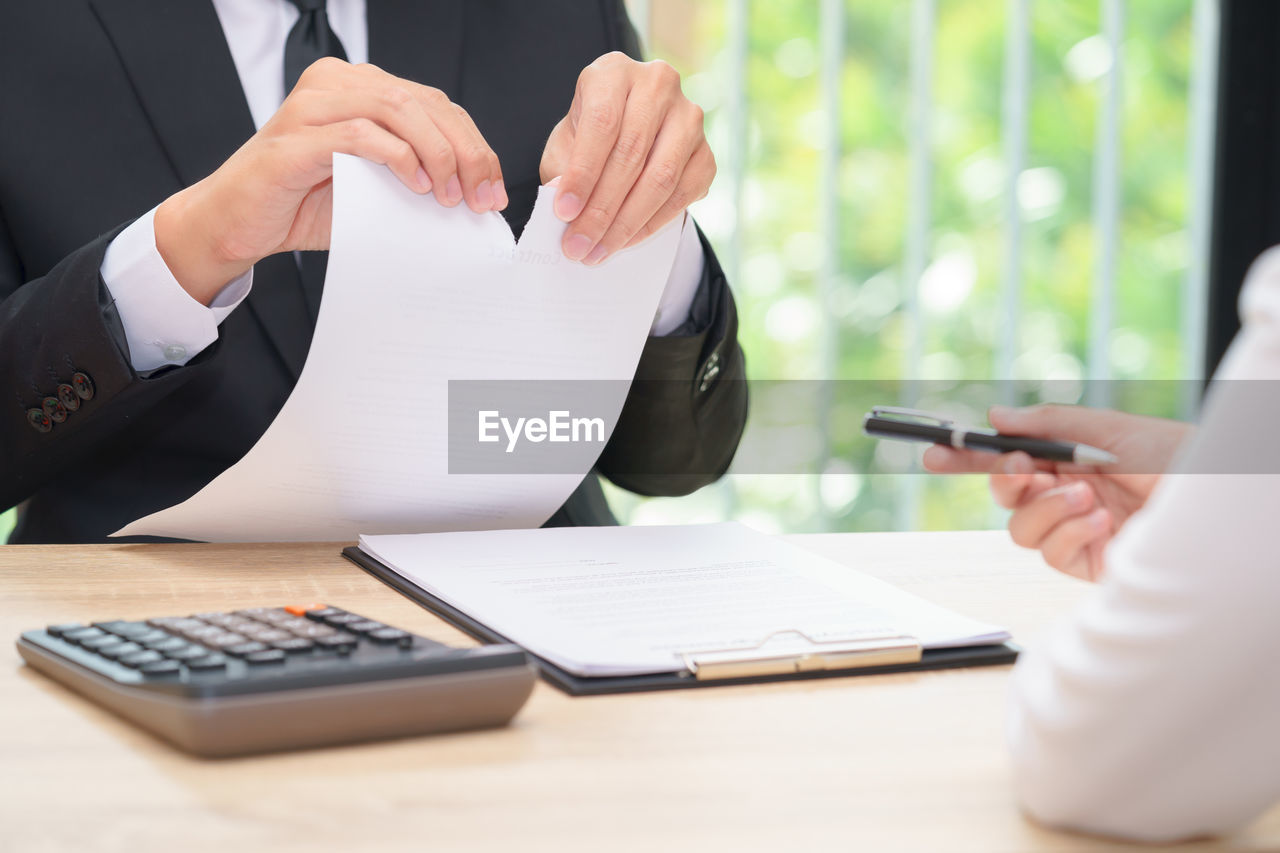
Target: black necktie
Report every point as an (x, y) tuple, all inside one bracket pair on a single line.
[(310, 39)]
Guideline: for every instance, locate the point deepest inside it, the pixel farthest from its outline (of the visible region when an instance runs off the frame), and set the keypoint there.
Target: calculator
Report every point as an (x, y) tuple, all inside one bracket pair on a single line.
[(275, 678)]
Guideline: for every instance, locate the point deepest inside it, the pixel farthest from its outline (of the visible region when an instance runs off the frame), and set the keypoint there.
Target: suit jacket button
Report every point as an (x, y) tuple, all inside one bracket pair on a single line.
[(67, 396), (55, 410), (82, 385), (711, 371), (39, 421)]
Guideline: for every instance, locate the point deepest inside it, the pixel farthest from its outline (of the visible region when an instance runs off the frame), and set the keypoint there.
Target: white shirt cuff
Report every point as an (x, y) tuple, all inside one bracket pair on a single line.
[(682, 284), (163, 325)]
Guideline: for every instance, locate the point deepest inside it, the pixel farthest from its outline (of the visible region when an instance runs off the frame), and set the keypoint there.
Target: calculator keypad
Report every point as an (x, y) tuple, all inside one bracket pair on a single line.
[(261, 637)]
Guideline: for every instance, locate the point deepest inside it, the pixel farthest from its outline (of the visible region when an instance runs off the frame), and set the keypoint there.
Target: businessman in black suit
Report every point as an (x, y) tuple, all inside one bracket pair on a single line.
[(137, 117)]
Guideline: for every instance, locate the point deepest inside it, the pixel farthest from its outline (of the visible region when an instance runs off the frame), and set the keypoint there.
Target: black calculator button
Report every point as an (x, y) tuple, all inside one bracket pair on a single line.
[(167, 643), (187, 651), (119, 650), (136, 659), (294, 644), (340, 643), (253, 612), (265, 656), (59, 630), (207, 662), (161, 667), (224, 640), (166, 622), (363, 627), (269, 635), (314, 631), (219, 619), (97, 643), (201, 632), (341, 620), (387, 636), (241, 649), (155, 635), (276, 615), (126, 629), (323, 613), (79, 635)]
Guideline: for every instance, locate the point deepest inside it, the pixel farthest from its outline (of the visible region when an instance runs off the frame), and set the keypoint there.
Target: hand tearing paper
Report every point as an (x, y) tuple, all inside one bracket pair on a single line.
[(415, 295)]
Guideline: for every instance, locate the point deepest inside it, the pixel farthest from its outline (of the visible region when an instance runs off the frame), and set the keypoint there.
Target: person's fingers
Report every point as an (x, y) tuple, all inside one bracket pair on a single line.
[(395, 108), (947, 460), (1032, 521), (1066, 547), (456, 160), (555, 156), (327, 72), (479, 173), (642, 118), (596, 115), (361, 137), (693, 185), (678, 138), (1097, 427), (1011, 476), (1094, 553), (648, 109)]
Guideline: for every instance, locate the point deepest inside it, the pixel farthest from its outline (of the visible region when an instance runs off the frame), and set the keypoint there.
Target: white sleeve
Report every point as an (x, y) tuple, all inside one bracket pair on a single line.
[(1152, 712), (682, 283), (163, 325)]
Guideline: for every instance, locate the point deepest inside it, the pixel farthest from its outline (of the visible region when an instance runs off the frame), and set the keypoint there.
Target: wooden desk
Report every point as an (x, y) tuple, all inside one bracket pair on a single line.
[(903, 762)]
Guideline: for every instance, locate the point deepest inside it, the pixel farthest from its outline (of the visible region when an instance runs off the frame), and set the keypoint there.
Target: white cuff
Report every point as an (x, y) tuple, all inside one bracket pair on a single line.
[(163, 325), (682, 284)]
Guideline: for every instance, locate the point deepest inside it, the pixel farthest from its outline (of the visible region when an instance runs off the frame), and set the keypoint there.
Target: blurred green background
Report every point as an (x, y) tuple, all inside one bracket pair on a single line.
[(784, 317), (784, 322)]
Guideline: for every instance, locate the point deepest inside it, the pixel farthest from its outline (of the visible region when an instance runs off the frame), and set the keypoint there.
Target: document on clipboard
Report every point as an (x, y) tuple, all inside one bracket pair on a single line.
[(705, 602)]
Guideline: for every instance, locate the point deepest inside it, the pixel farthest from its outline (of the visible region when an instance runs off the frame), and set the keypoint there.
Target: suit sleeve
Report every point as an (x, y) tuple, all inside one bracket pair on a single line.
[(59, 334), (683, 419), (687, 408)]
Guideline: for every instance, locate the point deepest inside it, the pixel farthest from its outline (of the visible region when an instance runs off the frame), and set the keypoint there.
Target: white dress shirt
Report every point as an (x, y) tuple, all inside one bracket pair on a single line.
[(163, 325), (1154, 712)]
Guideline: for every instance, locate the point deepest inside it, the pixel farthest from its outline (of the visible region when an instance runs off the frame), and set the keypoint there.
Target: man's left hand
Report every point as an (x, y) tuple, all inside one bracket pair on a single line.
[(631, 154)]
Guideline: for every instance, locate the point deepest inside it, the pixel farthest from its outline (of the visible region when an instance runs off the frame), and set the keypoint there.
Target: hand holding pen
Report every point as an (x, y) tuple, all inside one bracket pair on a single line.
[(1068, 511)]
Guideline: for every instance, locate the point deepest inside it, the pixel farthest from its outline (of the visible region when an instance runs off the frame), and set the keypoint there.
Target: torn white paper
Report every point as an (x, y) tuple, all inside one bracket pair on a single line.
[(417, 294)]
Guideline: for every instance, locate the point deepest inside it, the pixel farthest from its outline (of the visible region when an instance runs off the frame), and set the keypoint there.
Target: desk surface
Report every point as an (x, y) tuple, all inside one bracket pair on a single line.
[(884, 763)]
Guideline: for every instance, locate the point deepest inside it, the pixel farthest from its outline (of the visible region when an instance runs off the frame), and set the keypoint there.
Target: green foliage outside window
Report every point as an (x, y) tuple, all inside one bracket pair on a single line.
[(783, 319)]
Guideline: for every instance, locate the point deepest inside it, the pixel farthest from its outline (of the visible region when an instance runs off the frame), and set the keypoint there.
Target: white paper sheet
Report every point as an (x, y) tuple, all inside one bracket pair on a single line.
[(417, 294), (629, 600)]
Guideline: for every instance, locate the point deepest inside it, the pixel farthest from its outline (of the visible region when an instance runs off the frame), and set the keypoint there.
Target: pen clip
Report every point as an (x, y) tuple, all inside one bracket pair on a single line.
[(914, 415)]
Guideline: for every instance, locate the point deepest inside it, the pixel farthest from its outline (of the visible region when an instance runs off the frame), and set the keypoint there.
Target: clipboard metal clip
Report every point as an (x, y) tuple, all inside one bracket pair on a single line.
[(812, 656)]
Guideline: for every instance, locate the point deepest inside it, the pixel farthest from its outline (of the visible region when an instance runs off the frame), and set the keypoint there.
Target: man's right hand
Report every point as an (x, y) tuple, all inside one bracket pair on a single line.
[(275, 193), (1069, 512)]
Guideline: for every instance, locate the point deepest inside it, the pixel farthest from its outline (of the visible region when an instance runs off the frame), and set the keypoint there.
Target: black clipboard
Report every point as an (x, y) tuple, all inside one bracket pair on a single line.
[(574, 685)]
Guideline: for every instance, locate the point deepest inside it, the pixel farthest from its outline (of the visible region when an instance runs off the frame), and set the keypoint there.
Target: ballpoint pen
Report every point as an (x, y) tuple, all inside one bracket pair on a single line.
[(911, 425)]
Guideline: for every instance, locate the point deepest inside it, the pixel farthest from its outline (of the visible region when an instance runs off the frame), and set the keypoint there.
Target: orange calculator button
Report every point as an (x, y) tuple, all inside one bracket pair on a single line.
[(301, 609)]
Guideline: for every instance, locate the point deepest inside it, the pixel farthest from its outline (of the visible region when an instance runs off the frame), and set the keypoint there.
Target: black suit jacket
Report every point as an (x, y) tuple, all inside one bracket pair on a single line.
[(110, 106)]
